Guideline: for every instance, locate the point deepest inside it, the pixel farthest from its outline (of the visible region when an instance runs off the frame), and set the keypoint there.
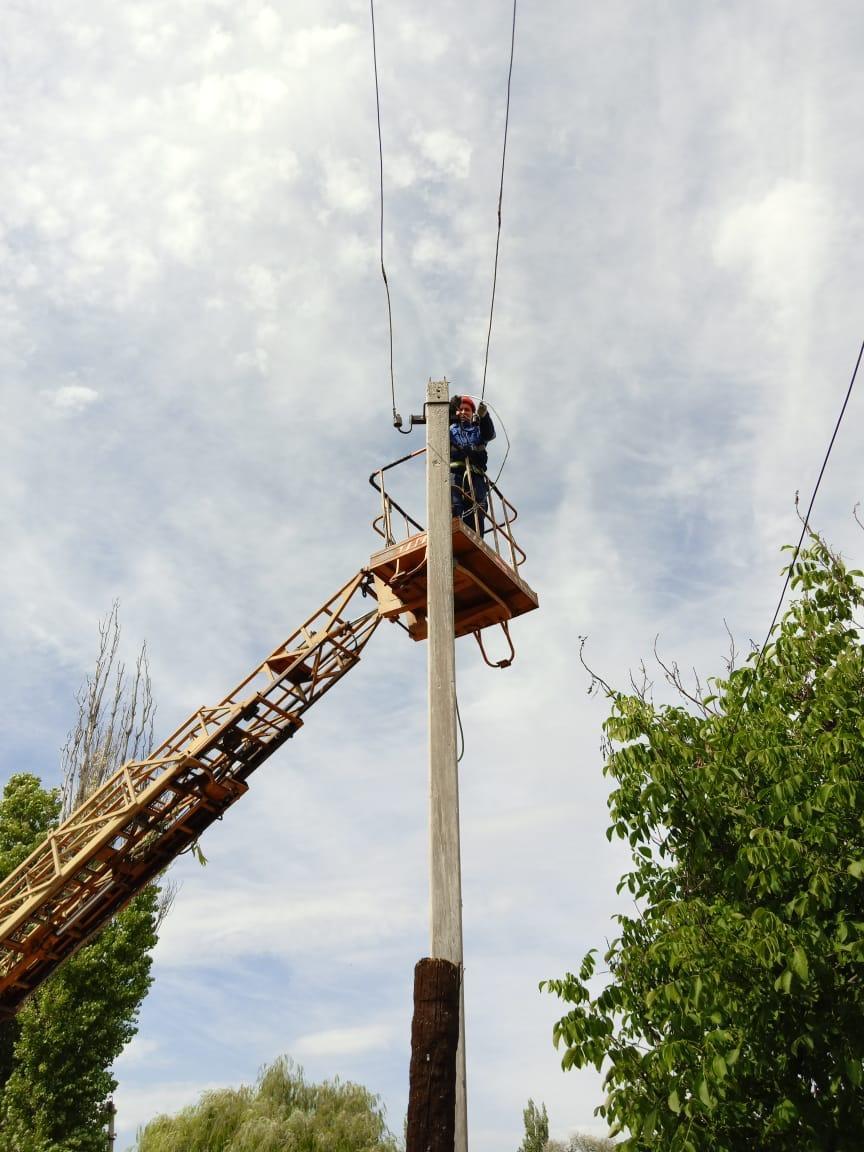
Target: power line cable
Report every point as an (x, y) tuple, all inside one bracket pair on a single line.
[(804, 530), (500, 200), (506, 437), (503, 429), (461, 733), (397, 422)]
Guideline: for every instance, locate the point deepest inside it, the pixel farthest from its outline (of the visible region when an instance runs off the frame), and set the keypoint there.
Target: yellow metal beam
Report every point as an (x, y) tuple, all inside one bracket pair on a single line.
[(151, 810)]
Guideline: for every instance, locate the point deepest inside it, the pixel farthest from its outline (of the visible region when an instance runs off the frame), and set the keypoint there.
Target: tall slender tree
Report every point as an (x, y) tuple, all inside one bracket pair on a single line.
[(536, 1123), (56, 1055)]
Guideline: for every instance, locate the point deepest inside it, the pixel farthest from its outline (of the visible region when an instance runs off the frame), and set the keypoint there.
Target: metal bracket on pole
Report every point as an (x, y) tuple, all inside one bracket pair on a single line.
[(412, 421)]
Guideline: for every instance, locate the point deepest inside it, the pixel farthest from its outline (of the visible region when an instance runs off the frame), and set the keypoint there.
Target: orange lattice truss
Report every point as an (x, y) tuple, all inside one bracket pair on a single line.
[(129, 830)]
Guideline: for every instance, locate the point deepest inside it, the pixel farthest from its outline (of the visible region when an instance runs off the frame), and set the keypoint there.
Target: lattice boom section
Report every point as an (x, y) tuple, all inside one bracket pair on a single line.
[(151, 810)]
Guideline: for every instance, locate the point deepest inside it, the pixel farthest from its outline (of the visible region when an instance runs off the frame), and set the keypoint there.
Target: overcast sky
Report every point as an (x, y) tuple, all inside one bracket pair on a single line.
[(195, 382)]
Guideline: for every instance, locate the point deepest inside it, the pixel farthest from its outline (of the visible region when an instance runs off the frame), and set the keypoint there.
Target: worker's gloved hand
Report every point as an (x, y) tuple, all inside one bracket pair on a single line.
[(482, 410)]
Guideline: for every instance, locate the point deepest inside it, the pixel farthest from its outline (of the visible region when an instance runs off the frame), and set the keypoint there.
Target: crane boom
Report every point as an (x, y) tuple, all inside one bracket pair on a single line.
[(151, 810)]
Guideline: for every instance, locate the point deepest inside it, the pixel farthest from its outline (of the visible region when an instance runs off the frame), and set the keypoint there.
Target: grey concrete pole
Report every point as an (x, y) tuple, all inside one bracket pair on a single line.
[(445, 869)]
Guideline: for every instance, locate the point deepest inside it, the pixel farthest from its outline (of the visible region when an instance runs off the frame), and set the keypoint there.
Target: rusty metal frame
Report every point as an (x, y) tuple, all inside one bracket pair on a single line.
[(151, 810)]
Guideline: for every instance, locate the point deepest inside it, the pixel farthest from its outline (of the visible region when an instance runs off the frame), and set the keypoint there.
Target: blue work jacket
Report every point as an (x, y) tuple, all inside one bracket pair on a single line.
[(468, 442)]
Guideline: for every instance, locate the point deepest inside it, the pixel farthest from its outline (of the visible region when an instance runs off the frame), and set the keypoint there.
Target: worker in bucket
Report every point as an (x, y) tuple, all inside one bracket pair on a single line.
[(471, 429)]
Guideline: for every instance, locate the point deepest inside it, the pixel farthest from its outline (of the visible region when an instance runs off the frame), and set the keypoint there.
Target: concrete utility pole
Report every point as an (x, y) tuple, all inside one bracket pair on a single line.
[(445, 888)]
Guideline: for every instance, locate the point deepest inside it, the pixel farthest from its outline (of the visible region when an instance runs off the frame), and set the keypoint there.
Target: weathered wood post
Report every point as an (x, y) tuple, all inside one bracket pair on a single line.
[(434, 1041)]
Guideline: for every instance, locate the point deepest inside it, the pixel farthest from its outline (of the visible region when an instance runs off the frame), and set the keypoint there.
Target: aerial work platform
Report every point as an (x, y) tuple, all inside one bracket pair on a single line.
[(486, 589), (151, 810), (486, 560)]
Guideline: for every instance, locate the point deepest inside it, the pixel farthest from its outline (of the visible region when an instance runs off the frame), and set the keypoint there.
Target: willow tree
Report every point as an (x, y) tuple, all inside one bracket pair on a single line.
[(282, 1113), (730, 1011), (56, 1055)]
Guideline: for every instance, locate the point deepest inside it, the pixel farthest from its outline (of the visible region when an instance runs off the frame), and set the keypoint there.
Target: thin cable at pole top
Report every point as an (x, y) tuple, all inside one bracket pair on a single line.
[(397, 422), (500, 200)]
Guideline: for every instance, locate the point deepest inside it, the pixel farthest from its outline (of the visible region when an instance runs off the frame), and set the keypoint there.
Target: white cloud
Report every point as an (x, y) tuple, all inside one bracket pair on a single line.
[(423, 38), (72, 397), (261, 287), (137, 1052), (346, 187), (240, 101), (780, 241), (339, 1041), (434, 250), (227, 924), (447, 151), (249, 185), (216, 44), (308, 45), (401, 169), (267, 26)]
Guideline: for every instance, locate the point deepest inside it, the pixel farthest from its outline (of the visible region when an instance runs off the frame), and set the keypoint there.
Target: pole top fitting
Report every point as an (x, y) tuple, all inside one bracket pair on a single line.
[(438, 392)]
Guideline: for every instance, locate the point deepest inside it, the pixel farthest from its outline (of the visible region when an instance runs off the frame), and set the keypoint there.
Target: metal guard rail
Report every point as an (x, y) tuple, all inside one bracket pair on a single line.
[(496, 529)]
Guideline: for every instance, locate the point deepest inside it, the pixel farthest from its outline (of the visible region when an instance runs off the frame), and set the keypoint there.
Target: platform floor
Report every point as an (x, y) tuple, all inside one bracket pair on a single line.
[(487, 590)]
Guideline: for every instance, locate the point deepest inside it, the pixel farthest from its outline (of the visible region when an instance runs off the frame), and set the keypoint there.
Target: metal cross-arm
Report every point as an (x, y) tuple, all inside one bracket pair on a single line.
[(151, 810)]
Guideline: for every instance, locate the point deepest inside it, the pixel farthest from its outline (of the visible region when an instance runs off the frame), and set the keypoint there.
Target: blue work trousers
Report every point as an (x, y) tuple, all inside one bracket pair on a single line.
[(469, 497)]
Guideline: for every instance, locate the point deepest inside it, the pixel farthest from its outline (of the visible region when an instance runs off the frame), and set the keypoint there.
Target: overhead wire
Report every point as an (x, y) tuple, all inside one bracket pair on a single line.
[(506, 437), (804, 530), (500, 201), (503, 429), (461, 732), (397, 423)]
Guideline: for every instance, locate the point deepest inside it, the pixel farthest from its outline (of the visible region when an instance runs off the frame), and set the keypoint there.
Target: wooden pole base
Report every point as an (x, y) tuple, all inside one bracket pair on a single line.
[(434, 1039)]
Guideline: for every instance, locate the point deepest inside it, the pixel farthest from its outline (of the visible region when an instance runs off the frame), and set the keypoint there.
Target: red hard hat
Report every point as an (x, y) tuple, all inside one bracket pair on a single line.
[(467, 400)]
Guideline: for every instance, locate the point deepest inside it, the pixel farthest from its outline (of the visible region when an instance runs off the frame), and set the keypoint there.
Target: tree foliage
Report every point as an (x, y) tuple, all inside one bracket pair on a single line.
[(732, 1015), (536, 1121), (56, 1054), (582, 1142), (114, 722), (70, 1033), (282, 1113), (536, 1138)]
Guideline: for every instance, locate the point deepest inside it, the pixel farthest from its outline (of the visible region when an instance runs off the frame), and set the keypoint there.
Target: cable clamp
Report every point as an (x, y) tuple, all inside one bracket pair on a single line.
[(412, 420)]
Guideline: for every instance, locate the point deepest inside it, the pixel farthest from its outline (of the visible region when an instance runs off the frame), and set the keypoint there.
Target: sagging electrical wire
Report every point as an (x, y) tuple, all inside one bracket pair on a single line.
[(500, 200), (397, 420), (461, 733), (480, 400), (506, 437), (804, 530)]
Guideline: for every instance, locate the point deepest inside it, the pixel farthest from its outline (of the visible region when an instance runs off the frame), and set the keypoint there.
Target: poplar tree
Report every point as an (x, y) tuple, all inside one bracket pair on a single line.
[(56, 1055)]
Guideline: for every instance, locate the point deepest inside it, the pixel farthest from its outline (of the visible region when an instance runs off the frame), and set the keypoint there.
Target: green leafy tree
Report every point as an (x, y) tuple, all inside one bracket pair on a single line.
[(732, 1013), (56, 1055), (70, 1033), (581, 1142), (536, 1138), (282, 1113), (536, 1123)]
